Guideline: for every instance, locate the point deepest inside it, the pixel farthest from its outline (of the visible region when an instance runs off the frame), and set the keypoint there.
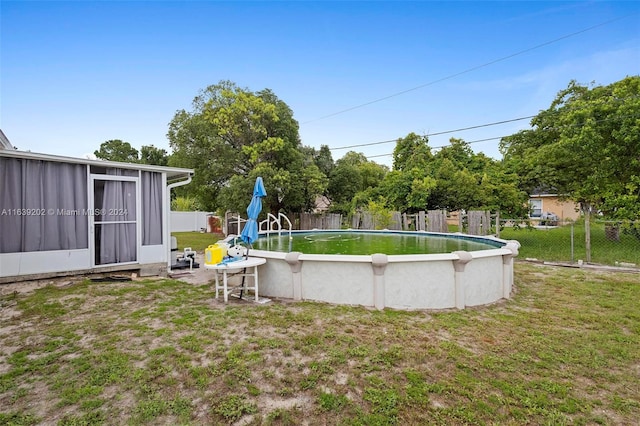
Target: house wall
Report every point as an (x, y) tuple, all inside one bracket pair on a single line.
[(38, 263), (41, 262), (565, 210)]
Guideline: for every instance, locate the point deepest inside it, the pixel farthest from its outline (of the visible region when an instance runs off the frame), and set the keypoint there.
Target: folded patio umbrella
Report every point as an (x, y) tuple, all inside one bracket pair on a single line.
[(250, 231)]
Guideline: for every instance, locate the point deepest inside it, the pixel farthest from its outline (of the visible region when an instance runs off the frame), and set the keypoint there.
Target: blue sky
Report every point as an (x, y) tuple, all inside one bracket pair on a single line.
[(75, 74)]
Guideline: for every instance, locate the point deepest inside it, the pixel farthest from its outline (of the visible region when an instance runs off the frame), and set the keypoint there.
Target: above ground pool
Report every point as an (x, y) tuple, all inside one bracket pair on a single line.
[(370, 242), (386, 269)]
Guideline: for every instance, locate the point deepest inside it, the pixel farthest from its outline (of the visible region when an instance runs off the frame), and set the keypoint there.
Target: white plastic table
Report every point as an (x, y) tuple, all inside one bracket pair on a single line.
[(239, 268)]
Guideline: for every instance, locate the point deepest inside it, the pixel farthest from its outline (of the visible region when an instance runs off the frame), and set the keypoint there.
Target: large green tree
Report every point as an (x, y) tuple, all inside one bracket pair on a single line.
[(466, 180), (231, 136), (150, 154), (586, 147), (453, 178), (117, 150), (411, 152), (324, 160), (353, 182)]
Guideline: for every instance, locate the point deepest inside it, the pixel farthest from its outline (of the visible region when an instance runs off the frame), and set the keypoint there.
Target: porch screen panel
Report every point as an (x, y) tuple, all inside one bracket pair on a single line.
[(10, 199), (43, 206), (151, 208), (116, 223)]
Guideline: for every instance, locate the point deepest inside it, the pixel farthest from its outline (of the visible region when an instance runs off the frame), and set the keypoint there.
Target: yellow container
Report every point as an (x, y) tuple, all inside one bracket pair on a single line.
[(214, 254)]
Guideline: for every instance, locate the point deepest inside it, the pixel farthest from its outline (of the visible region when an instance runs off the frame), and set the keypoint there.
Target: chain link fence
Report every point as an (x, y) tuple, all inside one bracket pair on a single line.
[(614, 243)]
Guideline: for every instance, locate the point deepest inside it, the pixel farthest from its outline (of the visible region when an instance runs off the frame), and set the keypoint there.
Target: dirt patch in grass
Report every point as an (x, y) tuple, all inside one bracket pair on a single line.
[(564, 349)]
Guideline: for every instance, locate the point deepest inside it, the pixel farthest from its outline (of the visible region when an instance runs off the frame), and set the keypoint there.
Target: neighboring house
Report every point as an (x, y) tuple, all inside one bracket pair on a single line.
[(542, 204), (4, 142), (61, 215), (322, 204)]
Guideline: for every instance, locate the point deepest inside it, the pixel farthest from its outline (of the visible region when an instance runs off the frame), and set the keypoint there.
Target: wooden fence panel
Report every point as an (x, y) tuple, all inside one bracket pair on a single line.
[(479, 222), (396, 221), (320, 221), (437, 221), (355, 221), (421, 222), (333, 221), (367, 221)]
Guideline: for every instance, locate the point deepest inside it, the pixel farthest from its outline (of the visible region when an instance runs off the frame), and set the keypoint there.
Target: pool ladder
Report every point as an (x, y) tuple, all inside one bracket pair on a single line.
[(274, 223)]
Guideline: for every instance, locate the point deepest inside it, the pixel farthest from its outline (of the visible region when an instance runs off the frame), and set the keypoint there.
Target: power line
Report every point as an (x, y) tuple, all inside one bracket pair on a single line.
[(495, 123), (556, 128), (468, 70), (363, 144), (444, 146), (438, 133), (481, 125)]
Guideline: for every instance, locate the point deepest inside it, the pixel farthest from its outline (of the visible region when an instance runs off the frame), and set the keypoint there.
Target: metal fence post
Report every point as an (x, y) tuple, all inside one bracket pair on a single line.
[(572, 254)]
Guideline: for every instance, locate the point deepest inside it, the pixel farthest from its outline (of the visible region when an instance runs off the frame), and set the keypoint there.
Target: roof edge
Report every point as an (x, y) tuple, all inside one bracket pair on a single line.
[(172, 171)]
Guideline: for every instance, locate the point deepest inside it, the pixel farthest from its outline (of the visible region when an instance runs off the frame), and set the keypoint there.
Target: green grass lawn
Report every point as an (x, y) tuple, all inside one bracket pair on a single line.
[(198, 241), (564, 350)]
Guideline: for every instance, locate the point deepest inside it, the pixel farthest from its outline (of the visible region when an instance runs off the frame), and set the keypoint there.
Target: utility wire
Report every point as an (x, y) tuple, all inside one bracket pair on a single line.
[(555, 128), (468, 70), (495, 123), (481, 125), (438, 133), (444, 146)]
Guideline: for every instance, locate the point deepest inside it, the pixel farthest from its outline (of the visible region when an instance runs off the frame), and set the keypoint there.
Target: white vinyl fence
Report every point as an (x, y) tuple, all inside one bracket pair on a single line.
[(188, 221)]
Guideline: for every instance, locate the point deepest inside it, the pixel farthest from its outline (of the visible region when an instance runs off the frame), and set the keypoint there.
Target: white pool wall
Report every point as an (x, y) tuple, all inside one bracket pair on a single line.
[(409, 282)]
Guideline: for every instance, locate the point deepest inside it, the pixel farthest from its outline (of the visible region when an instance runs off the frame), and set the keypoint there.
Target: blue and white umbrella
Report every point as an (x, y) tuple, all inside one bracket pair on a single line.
[(250, 231)]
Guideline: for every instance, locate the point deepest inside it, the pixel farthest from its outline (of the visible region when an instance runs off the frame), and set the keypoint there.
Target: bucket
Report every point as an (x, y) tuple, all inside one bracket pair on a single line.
[(213, 254)]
